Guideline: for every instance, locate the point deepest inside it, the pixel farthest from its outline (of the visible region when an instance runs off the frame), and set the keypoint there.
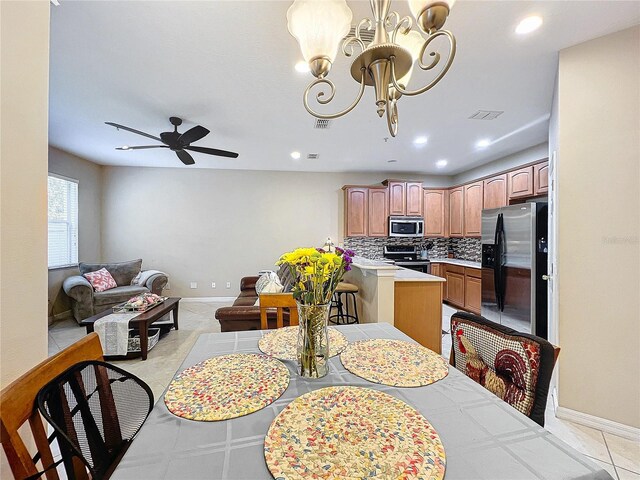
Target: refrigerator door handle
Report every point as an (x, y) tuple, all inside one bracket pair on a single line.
[(500, 262)]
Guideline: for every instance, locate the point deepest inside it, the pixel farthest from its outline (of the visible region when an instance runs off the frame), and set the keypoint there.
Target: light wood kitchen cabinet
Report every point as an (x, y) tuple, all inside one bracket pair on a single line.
[(520, 183), (455, 285), (435, 214), (472, 289), (541, 179), (456, 212), (473, 199), (397, 198), (495, 192), (378, 208), (437, 270), (356, 202), (414, 197)]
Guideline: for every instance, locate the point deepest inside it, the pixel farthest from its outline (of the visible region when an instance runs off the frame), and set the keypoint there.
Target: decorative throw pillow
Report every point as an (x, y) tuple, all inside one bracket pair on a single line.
[(268, 283), (101, 280)]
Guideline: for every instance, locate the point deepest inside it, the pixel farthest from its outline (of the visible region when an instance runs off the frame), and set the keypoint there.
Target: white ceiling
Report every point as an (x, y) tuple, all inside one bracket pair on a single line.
[(228, 65)]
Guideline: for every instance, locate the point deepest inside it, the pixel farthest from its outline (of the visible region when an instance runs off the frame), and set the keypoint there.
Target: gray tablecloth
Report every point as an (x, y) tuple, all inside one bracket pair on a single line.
[(484, 437)]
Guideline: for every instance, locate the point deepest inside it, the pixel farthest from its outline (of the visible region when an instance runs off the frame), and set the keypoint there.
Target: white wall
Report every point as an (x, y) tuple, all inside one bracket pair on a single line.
[(24, 30), (89, 176), (528, 155), (208, 226), (599, 227)]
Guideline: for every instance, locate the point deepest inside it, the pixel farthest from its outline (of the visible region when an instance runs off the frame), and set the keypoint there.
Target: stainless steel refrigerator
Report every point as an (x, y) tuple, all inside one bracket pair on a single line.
[(514, 267)]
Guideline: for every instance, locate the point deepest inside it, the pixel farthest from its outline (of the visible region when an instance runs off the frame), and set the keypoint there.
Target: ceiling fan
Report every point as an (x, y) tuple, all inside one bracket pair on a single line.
[(177, 142)]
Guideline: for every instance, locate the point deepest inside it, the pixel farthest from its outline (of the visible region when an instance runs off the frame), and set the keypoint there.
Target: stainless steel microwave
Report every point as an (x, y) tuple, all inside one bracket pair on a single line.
[(406, 226)]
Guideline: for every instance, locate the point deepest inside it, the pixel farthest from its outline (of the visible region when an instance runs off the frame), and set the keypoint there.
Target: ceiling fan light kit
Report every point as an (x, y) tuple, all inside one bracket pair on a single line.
[(386, 63), (177, 142)]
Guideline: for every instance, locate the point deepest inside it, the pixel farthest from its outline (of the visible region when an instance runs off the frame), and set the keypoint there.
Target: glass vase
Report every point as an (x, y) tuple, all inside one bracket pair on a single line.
[(313, 340)]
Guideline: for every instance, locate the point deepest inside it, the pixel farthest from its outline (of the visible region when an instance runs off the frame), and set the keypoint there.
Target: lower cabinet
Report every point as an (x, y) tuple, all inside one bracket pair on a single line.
[(455, 285), (472, 290), (437, 270)]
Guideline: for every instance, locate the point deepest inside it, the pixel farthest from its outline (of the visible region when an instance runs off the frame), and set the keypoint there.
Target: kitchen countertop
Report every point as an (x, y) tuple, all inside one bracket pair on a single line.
[(455, 261), (407, 275), (368, 264)]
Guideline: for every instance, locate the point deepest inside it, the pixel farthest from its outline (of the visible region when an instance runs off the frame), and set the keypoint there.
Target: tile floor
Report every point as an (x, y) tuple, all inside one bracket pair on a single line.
[(619, 456)]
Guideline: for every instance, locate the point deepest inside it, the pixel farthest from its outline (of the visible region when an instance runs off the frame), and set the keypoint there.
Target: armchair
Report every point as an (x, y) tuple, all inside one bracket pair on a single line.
[(85, 302)]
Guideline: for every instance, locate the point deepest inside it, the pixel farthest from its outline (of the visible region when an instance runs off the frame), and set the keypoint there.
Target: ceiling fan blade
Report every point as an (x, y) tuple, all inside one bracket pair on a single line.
[(132, 130), (185, 157), (193, 135), (141, 147), (213, 151)]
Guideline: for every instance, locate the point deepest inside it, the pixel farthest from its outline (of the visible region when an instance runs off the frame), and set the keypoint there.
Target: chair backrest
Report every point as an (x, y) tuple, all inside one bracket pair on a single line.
[(280, 302), (17, 406), (95, 409), (515, 366)]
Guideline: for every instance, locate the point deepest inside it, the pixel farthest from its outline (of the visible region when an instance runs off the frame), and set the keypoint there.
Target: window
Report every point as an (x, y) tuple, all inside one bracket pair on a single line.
[(63, 221)]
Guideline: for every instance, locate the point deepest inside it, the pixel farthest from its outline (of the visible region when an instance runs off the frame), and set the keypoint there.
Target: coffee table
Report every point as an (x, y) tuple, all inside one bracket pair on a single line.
[(143, 321)]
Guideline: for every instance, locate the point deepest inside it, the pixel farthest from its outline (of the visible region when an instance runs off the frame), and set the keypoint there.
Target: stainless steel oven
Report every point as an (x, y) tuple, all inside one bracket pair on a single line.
[(406, 226)]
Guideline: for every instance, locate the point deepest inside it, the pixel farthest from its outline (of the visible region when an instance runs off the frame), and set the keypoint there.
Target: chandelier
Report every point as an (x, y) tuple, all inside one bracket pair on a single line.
[(386, 63)]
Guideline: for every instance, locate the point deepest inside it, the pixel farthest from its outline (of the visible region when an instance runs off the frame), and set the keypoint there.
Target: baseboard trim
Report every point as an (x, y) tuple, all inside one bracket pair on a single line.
[(207, 299), (609, 426), (60, 316)]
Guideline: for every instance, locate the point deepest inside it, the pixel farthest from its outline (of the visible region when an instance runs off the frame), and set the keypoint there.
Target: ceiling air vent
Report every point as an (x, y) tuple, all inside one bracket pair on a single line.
[(365, 35), (322, 124), (313, 156), (486, 115)]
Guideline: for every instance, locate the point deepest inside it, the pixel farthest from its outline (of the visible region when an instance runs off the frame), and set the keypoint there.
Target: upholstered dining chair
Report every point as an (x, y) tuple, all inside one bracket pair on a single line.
[(515, 366), (279, 302)]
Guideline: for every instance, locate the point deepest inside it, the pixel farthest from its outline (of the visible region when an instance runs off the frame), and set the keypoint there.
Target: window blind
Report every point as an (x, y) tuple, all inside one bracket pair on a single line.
[(63, 221)]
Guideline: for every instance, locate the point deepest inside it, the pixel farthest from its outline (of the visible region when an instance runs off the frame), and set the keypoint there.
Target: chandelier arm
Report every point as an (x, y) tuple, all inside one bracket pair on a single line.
[(364, 22), (452, 54), (392, 117), (348, 42), (323, 101), (407, 21), (388, 22)]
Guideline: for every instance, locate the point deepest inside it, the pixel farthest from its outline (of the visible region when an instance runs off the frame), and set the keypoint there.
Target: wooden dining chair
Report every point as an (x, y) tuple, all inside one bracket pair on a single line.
[(515, 366), (279, 302), (17, 406)]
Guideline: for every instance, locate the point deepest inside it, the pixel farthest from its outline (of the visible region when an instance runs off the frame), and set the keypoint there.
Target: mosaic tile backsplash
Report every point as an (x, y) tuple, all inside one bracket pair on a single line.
[(372, 247)]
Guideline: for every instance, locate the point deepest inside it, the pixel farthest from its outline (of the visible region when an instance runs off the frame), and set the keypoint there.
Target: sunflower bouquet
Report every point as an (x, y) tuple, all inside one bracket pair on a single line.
[(316, 275)]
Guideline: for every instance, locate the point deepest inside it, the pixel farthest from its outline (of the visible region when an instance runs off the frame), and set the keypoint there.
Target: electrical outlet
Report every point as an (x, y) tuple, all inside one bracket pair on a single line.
[(167, 286), (228, 284), (194, 284), (213, 284)]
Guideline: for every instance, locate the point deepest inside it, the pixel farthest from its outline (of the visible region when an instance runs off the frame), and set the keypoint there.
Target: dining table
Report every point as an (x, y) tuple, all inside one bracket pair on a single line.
[(483, 436)]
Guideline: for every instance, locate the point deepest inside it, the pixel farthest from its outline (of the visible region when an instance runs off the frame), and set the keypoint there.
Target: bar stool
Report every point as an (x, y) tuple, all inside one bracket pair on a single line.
[(343, 316)]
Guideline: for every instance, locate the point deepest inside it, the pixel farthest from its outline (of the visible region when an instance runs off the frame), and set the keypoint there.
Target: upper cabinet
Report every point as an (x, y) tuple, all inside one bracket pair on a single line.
[(456, 212), (520, 183), (356, 200), (397, 198), (473, 199), (541, 179), (495, 192), (434, 207), (378, 212), (405, 198), (414, 193)]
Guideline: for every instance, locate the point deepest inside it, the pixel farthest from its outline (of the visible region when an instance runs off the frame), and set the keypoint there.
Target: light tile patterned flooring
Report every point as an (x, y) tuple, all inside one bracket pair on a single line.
[(619, 456)]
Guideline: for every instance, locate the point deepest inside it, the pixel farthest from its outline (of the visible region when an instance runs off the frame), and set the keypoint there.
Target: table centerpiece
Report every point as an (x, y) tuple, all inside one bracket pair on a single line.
[(316, 275)]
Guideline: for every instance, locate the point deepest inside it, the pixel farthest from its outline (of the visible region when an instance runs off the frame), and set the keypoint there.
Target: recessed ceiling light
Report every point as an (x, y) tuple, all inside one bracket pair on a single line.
[(124, 147), (529, 25), (295, 155), (420, 140), (441, 163), (302, 66), (484, 143)]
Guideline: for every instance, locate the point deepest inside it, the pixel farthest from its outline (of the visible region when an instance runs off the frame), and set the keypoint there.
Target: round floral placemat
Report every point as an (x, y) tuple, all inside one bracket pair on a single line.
[(227, 386), (352, 432), (394, 362), (281, 343)]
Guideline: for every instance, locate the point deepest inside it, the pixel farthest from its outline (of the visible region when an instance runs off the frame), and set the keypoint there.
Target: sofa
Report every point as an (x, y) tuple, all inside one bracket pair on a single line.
[(245, 312), (85, 302)]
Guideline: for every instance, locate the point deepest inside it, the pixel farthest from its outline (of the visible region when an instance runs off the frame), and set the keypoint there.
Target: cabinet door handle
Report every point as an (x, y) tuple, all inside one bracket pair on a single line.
[(546, 277)]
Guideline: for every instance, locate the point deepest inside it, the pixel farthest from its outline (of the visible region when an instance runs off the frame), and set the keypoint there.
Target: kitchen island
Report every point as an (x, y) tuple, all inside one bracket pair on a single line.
[(409, 300)]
